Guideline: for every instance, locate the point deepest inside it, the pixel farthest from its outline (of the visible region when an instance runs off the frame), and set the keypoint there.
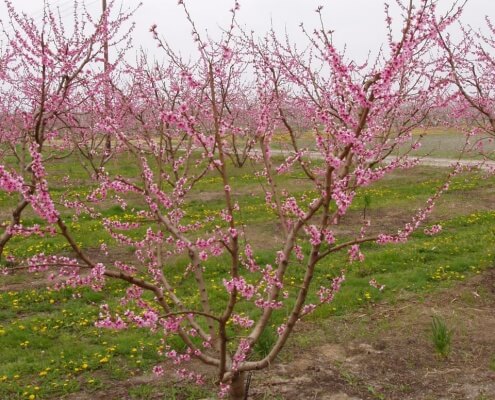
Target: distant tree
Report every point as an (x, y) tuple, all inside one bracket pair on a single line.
[(470, 65)]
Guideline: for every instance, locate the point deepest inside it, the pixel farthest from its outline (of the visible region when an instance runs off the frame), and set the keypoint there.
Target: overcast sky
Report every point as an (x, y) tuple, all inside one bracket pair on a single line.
[(357, 23)]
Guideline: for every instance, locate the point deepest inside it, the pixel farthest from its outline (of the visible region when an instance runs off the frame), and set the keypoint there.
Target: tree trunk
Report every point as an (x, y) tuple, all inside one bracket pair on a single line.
[(15, 220), (238, 387)]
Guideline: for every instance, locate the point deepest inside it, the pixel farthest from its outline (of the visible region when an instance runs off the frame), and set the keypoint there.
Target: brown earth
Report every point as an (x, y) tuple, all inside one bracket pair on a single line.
[(387, 353)]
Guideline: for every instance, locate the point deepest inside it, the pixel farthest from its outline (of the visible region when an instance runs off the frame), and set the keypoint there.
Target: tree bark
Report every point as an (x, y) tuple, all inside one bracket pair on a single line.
[(15, 220), (238, 387)]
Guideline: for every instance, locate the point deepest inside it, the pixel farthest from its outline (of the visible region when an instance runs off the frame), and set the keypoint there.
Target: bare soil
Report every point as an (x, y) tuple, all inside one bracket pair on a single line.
[(386, 352)]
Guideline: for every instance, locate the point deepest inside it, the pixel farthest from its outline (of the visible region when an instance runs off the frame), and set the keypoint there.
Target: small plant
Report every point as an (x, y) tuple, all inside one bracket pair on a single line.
[(141, 392), (492, 364), (441, 336)]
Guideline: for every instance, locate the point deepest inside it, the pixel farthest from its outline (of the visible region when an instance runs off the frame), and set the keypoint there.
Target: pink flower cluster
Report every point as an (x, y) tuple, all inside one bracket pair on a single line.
[(239, 284), (327, 294), (355, 253), (433, 230), (243, 322)]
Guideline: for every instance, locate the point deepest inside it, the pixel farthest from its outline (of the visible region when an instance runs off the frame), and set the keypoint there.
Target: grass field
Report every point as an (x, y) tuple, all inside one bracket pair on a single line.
[(50, 348)]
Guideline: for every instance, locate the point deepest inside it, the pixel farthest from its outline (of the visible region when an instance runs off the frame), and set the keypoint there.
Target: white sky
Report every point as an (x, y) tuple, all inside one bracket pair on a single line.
[(357, 23)]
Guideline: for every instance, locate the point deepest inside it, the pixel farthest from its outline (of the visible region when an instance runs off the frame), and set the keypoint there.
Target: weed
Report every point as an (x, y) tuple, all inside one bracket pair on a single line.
[(141, 392), (492, 363), (441, 336), (375, 393)]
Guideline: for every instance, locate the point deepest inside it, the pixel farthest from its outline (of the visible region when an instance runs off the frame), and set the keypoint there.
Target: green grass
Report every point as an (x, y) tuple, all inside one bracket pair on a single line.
[(63, 338), (50, 346), (51, 343)]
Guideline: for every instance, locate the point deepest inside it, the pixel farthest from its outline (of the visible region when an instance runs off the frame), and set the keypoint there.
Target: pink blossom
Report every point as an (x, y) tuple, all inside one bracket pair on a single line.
[(158, 370), (433, 230)]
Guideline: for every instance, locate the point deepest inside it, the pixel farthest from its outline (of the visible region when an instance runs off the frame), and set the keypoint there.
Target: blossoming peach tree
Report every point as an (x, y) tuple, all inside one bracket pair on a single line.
[(202, 278), (470, 66)]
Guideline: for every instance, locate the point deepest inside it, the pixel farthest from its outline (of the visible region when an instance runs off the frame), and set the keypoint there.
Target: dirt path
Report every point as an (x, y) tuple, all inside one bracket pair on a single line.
[(428, 161), (447, 162)]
